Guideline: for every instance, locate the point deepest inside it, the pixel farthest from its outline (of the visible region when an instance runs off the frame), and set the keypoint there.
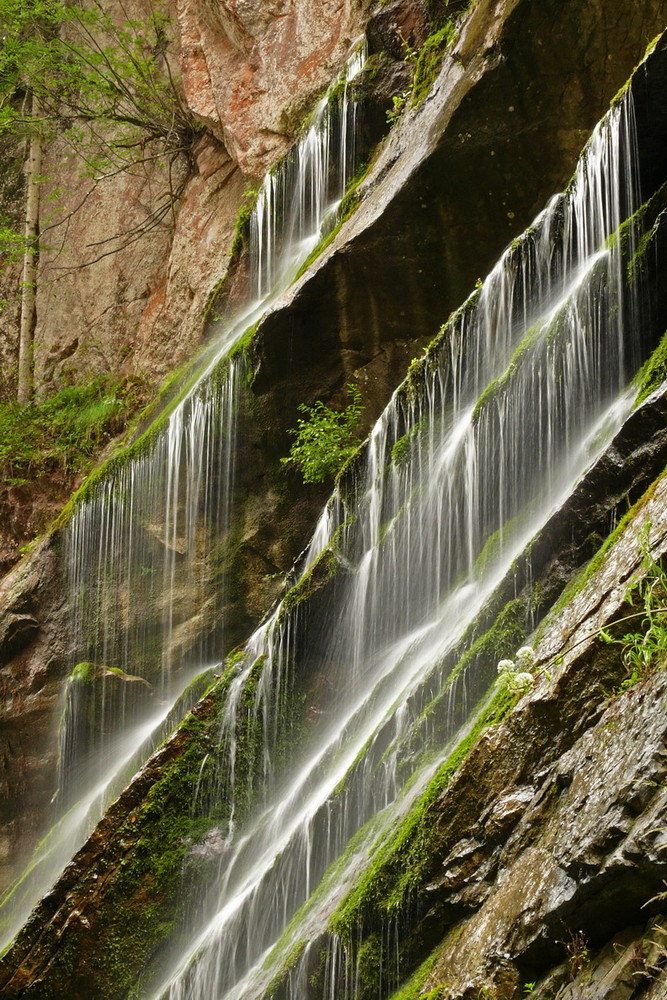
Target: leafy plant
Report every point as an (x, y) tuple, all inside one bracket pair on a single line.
[(325, 438), (105, 86), (644, 647), (398, 104)]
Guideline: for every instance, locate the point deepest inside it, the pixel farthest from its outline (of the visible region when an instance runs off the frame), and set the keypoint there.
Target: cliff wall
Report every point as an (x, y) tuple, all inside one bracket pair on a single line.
[(457, 178)]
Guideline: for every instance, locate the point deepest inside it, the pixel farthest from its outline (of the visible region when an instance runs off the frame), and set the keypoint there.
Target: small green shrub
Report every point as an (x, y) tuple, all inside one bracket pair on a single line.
[(63, 431), (647, 646), (325, 439)]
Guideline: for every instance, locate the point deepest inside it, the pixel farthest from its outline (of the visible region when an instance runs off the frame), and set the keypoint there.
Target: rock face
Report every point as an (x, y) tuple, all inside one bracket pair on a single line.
[(384, 284), (544, 827), (109, 301), (249, 67), (546, 843), (34, 653), (569, 844)]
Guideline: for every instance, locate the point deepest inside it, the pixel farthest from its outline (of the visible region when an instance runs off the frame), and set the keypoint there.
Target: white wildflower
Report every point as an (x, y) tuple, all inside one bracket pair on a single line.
[(525, 657), (506, 667), (522, 681)]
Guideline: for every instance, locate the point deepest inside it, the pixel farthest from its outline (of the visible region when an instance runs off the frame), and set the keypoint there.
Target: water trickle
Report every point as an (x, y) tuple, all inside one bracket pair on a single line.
[(298, 200), (526, 387), (126, 752)]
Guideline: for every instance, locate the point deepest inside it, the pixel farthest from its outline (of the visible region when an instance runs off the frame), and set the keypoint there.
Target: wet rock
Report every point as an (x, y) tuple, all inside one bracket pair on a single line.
[(507, 811), (398, 26), (33, 656)]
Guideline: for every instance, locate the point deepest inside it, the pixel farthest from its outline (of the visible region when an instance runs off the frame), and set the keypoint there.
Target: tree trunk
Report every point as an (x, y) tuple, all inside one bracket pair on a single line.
[(30, 259)]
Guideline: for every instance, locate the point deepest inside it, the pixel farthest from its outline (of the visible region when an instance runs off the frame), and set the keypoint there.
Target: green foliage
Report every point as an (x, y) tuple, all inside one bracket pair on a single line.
[(325, 439), (13, 245), (402, 863), (653, 372), (430, 58), (104, 87), (646, 646), (398, 103), (63, 431)]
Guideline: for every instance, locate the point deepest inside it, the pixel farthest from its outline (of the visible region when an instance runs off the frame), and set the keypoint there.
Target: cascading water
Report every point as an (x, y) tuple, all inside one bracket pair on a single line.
[(298, 201), (147, 549), (525, 387)]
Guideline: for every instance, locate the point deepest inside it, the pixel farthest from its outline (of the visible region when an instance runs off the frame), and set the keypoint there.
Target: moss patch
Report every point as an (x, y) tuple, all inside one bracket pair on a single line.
[(430, 59), (652, 373), (398, 869)]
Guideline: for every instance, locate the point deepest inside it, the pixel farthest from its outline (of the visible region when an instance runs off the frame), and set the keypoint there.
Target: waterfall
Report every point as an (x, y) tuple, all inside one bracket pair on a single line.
[(147, 548), (524, 388), (298, 201)]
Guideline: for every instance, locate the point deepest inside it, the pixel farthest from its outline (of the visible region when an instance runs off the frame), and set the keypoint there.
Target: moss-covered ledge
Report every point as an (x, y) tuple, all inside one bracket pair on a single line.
[(165, 831)]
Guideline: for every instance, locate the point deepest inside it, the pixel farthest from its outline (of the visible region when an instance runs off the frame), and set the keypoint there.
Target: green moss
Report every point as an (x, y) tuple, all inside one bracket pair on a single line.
[(652, 373), (413, 385), (413, 989), (578, 582), (321, 571), (348, 205), (400, 453), (242, 222), (84, 673), (173, 392), (290, 962), (637, 262), (210, 314), (430, 58), (519, 357), (135, 903), (64, 431)]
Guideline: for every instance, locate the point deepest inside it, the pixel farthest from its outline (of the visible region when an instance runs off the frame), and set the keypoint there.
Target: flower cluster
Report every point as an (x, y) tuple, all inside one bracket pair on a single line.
[(518, 673)]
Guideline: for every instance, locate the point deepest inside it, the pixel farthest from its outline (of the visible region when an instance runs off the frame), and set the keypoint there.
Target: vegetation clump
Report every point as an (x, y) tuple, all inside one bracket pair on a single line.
[(653, 373), (325, 438), (425, 63), (105, 87), (429, 59), (62, 432)]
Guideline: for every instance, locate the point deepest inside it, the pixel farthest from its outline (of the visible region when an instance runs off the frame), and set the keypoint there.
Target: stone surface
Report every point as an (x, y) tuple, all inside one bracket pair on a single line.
[(549, 837), (34, 655), (108, 301), (250, 68)]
